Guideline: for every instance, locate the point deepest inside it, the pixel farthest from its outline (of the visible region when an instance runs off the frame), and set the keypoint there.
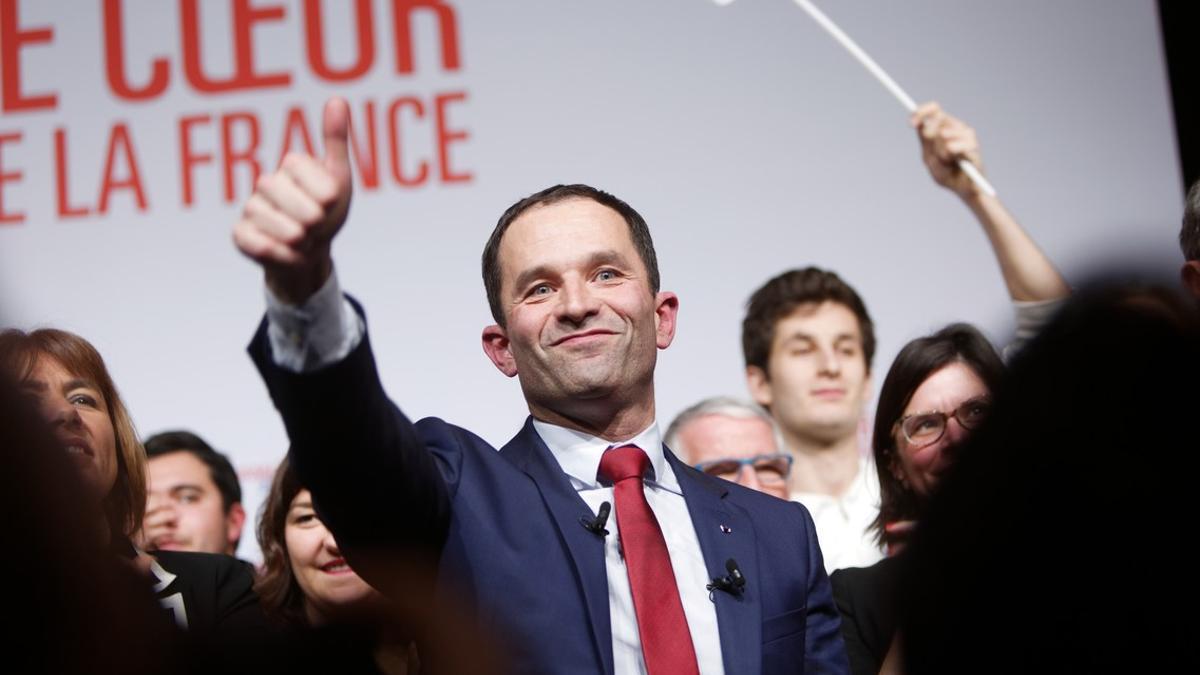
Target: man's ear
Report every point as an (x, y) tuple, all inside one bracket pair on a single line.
[(667, 311), (759, 386), (1190, 274), (495, 345), (235, 520)]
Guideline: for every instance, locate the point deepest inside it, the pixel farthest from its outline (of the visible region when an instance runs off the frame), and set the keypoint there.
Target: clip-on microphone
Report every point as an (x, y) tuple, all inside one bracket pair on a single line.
[(732, 583), (596, 525)]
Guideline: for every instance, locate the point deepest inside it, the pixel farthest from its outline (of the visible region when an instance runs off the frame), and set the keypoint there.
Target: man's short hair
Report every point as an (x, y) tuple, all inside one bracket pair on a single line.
[(1189, 233), (638, 232), (219, 468), (725, 406), (780, 296)]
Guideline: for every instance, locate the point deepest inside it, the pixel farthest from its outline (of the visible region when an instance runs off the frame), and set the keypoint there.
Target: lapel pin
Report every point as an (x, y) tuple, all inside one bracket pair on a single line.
[(726, 529)]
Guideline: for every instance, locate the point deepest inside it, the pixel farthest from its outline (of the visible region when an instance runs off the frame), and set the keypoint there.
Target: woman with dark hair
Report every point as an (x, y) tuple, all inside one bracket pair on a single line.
[(65, 378), (936, 393), (305, 584)]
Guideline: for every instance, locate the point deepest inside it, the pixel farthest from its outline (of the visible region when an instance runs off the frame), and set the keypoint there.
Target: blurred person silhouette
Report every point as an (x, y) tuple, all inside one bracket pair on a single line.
[(1058, 542), (936, 393)]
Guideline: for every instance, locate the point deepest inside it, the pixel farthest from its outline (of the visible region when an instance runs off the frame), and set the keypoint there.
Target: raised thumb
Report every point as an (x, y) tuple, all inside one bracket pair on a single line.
[(335, 129)]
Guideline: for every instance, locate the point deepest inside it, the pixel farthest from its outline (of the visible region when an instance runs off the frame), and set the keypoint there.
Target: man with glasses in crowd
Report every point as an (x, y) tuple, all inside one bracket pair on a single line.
[(729, 439)]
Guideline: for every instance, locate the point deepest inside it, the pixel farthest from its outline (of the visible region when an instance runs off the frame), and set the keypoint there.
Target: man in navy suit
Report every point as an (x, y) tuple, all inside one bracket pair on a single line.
[(690, 574)]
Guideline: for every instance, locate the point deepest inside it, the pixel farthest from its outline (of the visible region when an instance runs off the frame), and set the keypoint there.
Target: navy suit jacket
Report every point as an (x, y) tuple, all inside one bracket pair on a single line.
[(505, 527)]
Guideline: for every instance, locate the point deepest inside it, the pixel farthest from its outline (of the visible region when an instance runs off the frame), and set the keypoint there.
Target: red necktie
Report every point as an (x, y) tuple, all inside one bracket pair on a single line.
[(662, 626)]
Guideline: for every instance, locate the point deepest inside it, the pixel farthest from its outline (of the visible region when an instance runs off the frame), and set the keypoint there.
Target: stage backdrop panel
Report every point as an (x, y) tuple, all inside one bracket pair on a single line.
[(131, 131)]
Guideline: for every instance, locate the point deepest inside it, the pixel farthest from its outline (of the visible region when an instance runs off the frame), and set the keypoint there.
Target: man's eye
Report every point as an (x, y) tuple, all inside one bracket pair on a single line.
[(542, 289), (606, 275), (189, 497)]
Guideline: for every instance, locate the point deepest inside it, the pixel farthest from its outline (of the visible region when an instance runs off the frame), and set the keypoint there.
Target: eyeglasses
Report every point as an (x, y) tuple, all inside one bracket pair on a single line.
[(922, 429), (770, 469)]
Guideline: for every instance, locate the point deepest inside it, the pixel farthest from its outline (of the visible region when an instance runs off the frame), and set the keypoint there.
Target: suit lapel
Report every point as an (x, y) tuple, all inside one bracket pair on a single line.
[(172, 602), (725, 531), (529, 453)]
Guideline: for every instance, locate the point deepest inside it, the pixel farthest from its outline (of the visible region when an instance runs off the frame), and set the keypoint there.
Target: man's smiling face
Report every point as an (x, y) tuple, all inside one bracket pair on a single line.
[(581, 320)]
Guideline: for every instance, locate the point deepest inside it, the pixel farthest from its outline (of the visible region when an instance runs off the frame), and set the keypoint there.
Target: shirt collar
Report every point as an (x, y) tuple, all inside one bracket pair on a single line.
[(578, 454)]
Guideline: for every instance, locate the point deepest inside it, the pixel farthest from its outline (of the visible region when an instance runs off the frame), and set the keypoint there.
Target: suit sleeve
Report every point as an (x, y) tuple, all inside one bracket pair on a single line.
[(862, 661), (374, 482), (824, 651)]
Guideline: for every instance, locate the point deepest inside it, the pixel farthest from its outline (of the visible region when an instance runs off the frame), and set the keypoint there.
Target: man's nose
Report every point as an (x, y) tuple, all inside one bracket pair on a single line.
[(831, 362), (748, 477), (576, 301)]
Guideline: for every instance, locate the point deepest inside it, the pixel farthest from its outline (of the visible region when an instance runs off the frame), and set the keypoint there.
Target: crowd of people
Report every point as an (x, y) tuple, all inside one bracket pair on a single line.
[(787, 532)]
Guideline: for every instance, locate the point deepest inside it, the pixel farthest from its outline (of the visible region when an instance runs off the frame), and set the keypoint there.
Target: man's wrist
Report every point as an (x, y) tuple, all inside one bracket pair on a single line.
[(294, 285)]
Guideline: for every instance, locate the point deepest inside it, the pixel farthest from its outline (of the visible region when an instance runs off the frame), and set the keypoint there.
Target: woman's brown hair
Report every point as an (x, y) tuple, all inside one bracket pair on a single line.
[(917, 360), (277, 587)]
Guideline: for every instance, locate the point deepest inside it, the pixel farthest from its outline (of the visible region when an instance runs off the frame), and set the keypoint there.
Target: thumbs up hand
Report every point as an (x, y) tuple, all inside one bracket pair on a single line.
[(288, 224)]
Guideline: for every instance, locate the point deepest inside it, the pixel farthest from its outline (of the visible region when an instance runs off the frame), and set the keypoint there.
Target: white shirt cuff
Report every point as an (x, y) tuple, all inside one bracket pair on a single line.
[(321, 331)]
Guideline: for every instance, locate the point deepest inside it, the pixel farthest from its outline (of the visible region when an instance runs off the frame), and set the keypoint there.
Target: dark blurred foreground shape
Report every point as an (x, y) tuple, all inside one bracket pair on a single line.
[(70, 606), (1059, 543)]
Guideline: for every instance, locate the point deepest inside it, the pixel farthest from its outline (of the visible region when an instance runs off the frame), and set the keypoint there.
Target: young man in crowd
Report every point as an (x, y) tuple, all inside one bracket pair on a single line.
[(808, 342), (194, 500)]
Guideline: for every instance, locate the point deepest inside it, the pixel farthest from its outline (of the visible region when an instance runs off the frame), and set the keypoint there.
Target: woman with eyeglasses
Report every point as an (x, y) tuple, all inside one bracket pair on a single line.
[(936, 393)]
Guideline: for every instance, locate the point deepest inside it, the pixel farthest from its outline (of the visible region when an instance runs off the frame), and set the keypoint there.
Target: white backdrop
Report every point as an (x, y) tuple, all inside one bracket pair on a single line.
[(744, 135)]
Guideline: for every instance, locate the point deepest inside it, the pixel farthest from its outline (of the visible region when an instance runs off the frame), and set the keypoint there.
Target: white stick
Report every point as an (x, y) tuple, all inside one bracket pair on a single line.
[(887, 81)]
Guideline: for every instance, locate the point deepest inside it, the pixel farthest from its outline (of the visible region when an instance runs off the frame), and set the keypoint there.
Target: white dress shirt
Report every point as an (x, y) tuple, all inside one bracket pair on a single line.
[(844, 523), (325, 328), (579, 456)]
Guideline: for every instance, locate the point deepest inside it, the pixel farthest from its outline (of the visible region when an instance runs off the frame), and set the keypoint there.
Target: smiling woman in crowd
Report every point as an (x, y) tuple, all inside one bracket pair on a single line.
[(306, 585)]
